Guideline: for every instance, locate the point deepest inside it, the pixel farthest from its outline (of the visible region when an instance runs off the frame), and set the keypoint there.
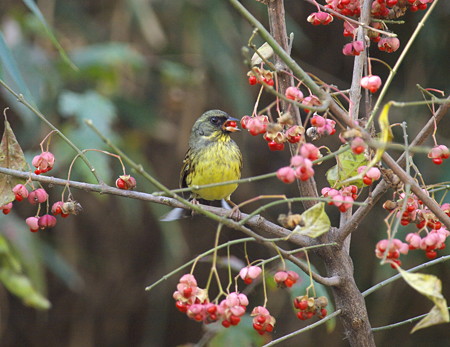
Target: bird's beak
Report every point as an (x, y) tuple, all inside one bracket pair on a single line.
[(231, 125)]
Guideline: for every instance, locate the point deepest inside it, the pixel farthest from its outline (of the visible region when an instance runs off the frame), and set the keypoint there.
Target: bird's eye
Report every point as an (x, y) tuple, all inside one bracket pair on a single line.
[(215, 120)]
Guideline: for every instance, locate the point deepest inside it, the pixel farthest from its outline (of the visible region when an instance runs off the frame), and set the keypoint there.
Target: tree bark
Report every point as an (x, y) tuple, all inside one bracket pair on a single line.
[(347, 296), (277, 25)]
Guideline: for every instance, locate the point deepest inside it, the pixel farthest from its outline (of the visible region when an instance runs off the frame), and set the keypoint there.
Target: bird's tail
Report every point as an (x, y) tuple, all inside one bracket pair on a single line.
[(175, 214), (181, 213)]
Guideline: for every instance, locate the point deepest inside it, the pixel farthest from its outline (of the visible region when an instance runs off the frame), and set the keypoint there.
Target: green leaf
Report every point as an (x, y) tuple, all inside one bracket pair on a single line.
[(107, 56), (16, 282), (89, 105), (346, 167), (11, 157), (431, 287), (8, 63), (33, 8), (315, 222)]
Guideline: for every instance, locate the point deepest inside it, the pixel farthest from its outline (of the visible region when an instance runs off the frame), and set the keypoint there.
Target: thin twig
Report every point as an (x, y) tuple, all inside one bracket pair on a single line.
[(22, 100), (400, 59), (406, 321), (398, 276), (218, 214), (309, 327)]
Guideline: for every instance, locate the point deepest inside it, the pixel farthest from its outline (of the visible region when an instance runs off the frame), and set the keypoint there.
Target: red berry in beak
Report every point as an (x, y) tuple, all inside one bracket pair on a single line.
[(230, 125)]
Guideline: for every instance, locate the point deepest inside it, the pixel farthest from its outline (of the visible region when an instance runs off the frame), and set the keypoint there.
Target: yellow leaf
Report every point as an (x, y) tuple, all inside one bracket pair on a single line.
[(385, 136), (431, 287), (432, 318), (316, 222)]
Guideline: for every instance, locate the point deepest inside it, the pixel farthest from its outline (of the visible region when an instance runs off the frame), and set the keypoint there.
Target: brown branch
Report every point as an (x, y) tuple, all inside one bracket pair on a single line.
[(382, 187), (278, 31), (336, 259), (256, 222)]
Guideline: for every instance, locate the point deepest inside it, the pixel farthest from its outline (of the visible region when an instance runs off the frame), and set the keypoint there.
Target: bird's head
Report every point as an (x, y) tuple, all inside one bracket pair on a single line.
[(214, 123)]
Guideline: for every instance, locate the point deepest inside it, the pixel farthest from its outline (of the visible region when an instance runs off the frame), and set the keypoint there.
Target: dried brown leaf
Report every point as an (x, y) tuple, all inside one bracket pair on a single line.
[(11, 157)]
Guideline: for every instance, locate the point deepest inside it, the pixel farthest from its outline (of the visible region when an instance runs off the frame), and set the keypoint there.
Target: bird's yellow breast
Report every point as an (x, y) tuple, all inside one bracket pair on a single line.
[(220, 161)]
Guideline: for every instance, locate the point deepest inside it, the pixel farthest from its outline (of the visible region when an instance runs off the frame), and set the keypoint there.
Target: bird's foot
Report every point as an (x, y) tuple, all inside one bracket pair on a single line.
[(235, 213), (194, 201)]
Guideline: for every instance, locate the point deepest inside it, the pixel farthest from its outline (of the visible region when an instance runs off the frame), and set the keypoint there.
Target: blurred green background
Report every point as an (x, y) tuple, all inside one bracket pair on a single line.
[(146, 71)]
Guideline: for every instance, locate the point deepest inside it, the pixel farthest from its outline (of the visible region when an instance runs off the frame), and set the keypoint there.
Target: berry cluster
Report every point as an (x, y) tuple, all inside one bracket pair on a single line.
[(193, 301), (391, 249), (43, 163), (39, 196), (301, 165), (260, 75), (430, 243), (262, 322), (426, 222), (321, 126), (381, 9), (188, 293), (343, 198), (309, 307), (276, 134), (386, 9)]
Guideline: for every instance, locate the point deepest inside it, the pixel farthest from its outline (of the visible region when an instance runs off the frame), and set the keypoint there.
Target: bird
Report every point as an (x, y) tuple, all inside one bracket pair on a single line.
[(212, 157)]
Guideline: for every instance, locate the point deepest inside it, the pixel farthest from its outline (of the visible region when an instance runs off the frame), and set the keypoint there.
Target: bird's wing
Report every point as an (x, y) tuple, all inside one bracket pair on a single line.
[(186, 168)]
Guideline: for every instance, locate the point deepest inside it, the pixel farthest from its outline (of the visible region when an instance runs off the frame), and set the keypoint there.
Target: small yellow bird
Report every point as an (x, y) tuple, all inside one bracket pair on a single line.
[(213, 157)]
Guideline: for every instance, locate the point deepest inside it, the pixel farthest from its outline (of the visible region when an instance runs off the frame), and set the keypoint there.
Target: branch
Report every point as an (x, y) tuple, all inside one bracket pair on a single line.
[(382, 187), (307, 328), (398, 276), (417, 190), (406, 321), (21, 99), (361, 23), (218, 214), (394, 70), (277, 25)]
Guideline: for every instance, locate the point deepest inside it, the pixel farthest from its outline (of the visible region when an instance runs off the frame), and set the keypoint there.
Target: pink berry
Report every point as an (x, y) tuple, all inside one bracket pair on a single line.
[(37, 196), (33, 223), (371, 82), (6, 208), (286, 174), (20, 191), (47, 221)]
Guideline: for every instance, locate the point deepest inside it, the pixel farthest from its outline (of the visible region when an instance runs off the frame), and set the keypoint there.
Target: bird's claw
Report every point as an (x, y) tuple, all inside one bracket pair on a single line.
[(235, 214)]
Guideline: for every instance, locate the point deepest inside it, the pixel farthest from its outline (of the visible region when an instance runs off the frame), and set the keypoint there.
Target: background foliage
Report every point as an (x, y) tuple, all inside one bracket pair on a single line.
[(146, 70)]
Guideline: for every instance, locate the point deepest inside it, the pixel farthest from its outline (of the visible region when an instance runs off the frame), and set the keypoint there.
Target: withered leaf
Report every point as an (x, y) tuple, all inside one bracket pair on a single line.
[(11, 157)]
